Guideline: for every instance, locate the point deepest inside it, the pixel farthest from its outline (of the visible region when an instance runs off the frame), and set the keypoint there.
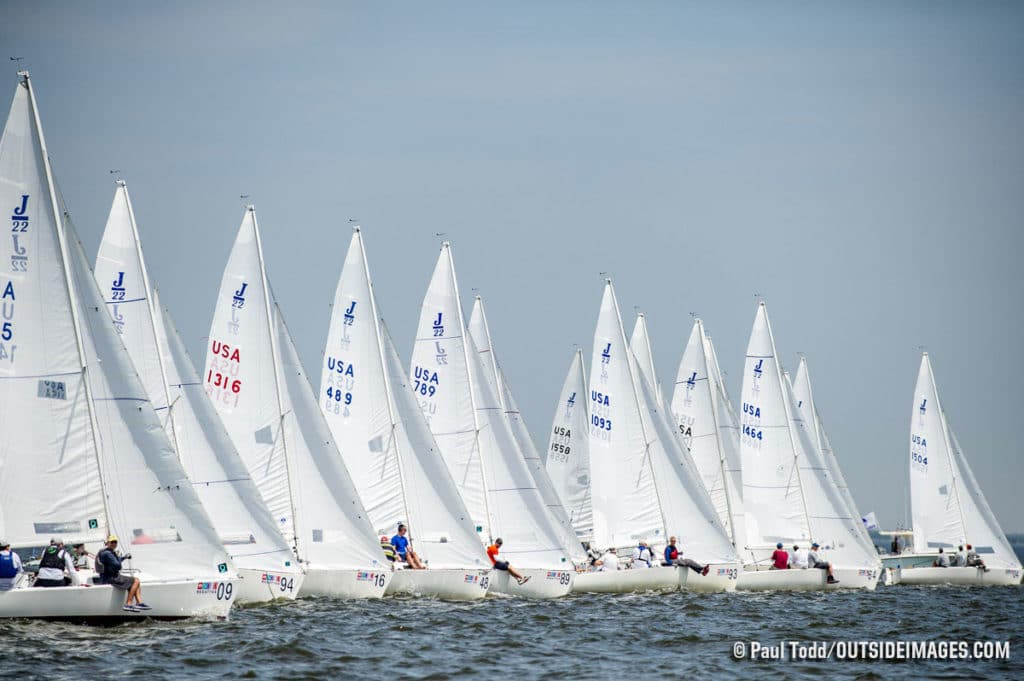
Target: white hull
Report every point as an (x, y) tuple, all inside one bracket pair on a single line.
[(263, 586), (455, 584), (855, 578), (631, 581), (103, 603), (720, 577), (955, 576), (543, 583), (781, 580), (341, 583)]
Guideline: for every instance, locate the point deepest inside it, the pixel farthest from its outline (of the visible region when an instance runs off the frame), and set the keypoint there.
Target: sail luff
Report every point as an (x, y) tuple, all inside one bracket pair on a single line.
[(718, 433), (953, 469), (275, 359), (58, 222)]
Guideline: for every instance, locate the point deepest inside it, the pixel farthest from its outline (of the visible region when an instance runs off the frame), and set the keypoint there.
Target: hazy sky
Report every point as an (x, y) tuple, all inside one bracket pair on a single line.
[(861, 165)]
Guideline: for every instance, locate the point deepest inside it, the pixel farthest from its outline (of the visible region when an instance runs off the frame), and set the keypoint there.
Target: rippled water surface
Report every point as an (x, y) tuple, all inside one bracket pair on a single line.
[(585, 636)]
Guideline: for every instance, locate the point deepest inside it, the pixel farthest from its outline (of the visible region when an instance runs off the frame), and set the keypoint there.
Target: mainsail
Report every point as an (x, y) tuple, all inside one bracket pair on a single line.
[(568, 452), (76, 424)]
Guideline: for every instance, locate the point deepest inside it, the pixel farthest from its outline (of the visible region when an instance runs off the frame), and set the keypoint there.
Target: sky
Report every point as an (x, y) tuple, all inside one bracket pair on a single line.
[(859, 165)]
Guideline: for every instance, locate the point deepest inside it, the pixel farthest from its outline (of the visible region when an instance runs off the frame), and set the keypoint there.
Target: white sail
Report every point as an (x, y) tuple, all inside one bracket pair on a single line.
[(640, 346), (257, 384), (100, 461), (811, 416), (947, 504), (568, 452), (772, 495), (707, 426), (217, 473), (465, 415), (643, 486), (480, 332), (386, 444)]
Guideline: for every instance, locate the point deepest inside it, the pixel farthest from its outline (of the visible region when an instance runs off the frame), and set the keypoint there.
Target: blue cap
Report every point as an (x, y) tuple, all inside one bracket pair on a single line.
[(779, 545)]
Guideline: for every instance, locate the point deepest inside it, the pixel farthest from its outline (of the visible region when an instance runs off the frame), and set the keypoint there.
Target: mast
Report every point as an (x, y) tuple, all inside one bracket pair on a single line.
[(636, 399), (384, 371), (472, 398), (277, 379), (122, 186), (789, 419), (718, 433), (69, 287), (949, 448)]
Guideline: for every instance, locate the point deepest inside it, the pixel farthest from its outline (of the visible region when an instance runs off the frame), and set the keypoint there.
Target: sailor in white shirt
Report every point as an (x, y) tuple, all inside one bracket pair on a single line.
[(642, 556), (55, 562), (798, 559), (609, 562)]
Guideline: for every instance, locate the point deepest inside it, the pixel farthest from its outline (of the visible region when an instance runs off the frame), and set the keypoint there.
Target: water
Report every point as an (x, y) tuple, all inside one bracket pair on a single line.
[(583, 636)]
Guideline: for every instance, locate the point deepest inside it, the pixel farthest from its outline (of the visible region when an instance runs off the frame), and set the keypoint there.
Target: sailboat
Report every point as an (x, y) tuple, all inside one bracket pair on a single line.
[(82, 452), (786, 494), (568, 452), (808, 410), (258, 386), (642, 486), (708, 427), (480, 331), (387, 446), (479, 448), (948, 508), (265, 563)]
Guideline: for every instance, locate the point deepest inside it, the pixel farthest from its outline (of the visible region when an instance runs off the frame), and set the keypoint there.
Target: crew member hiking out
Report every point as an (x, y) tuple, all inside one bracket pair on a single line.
[(492, 553), (108, 564)]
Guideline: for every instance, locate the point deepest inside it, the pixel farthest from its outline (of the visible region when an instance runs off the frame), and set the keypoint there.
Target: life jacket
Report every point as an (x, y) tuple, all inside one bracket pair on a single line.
[(643, 550), (7, 569), (389, 551), (53, 558)]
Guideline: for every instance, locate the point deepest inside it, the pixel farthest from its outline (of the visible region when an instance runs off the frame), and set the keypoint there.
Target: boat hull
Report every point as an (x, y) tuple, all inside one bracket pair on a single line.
[(543, 583), (453, 584), (720, 577), (343, 583), (855, 578), (781, 580), (263, 586), (102, 604), (631, 581), (954, 576)]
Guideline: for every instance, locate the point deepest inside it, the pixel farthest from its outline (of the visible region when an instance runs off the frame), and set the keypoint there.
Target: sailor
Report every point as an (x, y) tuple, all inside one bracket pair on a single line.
[(973, 560), (798, 559), (492, 553), (942, 560), (609, 562), (959, 559), (894, 548), (10, 566), (816, 562), (84, 561), (780, 559), (642, 557), (108, 564), (52, 566), (672, 557), (387, 548), (405, 553)]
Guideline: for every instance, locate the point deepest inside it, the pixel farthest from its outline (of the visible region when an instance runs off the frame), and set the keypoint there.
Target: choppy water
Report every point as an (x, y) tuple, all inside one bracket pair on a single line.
[(586, 636)]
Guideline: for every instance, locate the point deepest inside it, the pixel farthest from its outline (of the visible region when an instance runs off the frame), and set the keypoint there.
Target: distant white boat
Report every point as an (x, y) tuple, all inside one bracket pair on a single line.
[(470, 427), (83, 452), (948, 508), (397, 467), (256, 382), (480, 331), (643, 486), (264, 560), (568, 452), (787, 495)]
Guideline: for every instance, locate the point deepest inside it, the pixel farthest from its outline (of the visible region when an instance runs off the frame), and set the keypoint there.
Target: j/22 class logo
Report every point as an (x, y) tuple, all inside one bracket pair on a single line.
[(19, 229)]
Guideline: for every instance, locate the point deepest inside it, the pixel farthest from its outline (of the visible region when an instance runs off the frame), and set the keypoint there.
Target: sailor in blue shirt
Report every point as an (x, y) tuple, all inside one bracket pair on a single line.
[(405, 553)]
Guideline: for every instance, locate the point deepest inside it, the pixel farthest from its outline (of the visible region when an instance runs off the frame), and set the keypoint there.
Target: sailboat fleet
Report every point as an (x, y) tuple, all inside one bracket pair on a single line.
[(243, 482)]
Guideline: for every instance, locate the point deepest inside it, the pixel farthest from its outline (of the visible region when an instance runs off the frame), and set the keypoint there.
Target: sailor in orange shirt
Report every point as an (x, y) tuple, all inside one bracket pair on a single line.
[(492, 553)]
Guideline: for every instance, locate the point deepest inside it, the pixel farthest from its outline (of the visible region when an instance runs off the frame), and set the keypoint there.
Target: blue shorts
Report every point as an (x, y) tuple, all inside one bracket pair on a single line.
[(500, 565)]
